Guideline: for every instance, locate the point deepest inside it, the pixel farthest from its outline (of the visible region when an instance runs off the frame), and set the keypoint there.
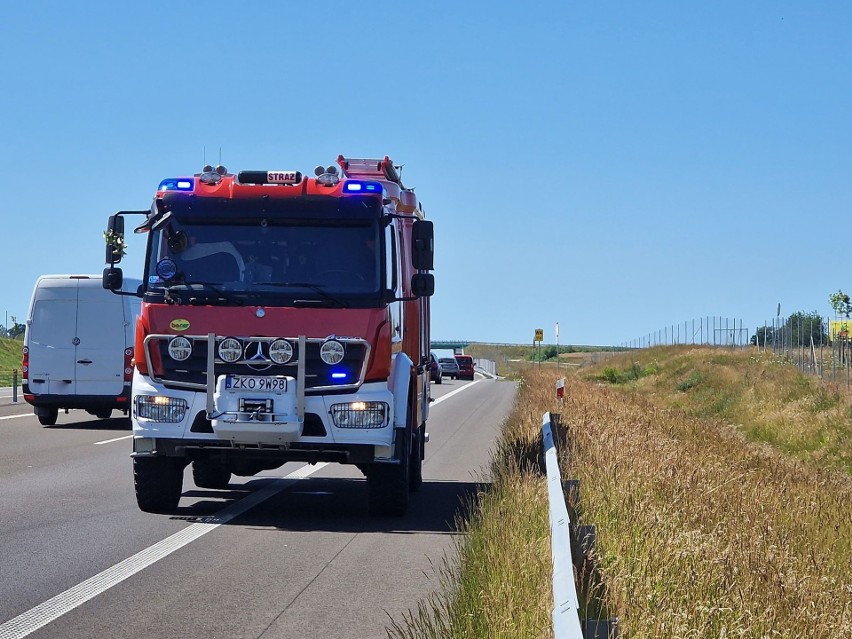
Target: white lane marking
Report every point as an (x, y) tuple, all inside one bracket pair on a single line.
[(16, 416), (458, 390), (114, 439), (65, 602)]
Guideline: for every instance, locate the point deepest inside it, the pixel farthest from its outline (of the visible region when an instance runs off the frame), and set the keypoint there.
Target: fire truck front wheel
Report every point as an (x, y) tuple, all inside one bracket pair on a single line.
[(388, 484), (210, 474), (158, 482)]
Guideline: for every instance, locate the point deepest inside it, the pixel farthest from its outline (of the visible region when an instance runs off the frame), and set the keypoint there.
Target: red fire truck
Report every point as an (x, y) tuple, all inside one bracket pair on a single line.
[(284, 318)]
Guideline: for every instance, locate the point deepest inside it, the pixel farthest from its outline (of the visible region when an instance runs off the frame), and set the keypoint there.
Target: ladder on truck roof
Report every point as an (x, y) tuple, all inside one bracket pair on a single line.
[(375, 169)]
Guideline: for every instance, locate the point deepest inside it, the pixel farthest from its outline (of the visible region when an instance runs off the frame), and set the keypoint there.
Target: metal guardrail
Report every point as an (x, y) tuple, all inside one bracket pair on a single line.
[(566, 605), (486, 366)]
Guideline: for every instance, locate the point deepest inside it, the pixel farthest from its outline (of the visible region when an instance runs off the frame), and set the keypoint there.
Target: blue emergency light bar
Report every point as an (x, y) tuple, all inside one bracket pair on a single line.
[(177, 184), (357, 186)]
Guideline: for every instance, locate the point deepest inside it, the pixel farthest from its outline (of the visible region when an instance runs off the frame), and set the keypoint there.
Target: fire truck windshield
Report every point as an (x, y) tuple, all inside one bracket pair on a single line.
[(284, 260)]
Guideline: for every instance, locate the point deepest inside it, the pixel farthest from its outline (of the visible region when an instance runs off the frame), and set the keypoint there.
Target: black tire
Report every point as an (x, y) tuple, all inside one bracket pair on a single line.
[(210, 474), (388, 484), (158, 482), (415, 476), (437, 380), (104, 413), (49, 418)]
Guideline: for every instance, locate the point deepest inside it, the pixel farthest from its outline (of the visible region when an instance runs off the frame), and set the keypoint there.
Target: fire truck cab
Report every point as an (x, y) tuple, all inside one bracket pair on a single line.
[(284, 318)]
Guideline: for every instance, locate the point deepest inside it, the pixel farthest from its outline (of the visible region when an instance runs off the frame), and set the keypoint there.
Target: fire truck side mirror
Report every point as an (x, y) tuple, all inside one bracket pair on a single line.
[(114, 236), (423, 285), (113, 278), (423, 241)]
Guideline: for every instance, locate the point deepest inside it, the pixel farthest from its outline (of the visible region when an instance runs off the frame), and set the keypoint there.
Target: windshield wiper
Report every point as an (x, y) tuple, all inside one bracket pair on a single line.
[(316, 288), (199, 297)]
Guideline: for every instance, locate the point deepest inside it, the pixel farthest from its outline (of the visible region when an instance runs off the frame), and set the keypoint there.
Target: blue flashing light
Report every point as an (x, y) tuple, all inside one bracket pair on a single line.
[(177, 184), (338, 375), (357, 186)]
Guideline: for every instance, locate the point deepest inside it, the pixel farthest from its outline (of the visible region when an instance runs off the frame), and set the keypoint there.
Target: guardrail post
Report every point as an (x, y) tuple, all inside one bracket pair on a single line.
[(15, 386), (586, 538), (601, 629)]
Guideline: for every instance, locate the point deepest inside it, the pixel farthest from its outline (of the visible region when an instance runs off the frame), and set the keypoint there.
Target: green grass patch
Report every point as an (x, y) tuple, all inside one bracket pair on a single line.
[(690, 382), (768, 399), (10, 359), (629, 374)]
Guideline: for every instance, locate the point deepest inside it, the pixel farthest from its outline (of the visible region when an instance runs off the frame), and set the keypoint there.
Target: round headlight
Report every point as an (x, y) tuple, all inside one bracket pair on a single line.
[(331, 352), (280, 351), (230, 350), (179, 348)]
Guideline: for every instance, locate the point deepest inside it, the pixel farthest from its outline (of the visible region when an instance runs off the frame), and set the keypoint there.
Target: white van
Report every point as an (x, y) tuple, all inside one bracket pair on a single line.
[(78, 346)]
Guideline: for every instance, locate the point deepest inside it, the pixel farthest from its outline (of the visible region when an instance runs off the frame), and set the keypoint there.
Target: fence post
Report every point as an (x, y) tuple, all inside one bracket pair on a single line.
[(15, 386)]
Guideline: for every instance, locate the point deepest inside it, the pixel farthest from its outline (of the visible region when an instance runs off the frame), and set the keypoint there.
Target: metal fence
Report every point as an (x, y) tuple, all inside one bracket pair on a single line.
[(820, 346), (710, 330), (816, 345)]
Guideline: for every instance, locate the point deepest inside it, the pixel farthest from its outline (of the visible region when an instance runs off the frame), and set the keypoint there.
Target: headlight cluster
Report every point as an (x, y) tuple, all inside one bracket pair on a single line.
[(280, 351), (158, 408), (360, 415)]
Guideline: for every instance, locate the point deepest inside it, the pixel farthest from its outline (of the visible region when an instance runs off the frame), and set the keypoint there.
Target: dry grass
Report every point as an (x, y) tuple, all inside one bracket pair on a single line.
[(496, 585), (766, 398), (701, 532)]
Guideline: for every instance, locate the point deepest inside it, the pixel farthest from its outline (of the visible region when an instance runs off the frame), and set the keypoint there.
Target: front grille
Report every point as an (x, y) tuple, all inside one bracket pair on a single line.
[(192, 372)]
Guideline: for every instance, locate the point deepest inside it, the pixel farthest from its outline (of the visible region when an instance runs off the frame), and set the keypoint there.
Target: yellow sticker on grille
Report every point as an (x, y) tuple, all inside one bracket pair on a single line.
[(179, 325)]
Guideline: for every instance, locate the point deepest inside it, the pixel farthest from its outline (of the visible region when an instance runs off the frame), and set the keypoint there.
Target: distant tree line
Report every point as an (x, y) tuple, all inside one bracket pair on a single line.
[(16, 330), (546, 353), (798, 329)]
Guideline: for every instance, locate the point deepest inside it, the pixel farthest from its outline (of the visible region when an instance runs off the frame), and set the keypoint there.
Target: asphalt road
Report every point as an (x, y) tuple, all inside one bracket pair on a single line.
[(288, 553)]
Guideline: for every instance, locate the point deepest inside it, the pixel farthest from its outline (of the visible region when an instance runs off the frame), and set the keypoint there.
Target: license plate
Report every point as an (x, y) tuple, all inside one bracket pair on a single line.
[(256, 382)]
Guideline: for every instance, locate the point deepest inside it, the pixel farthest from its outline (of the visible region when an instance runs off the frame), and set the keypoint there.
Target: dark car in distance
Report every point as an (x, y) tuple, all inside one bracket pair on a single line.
[(434, 369), (465, 363), (449, 367)]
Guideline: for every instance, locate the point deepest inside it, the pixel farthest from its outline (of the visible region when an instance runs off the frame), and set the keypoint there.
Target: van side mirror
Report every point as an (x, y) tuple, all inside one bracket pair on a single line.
[(114, 236), (423, 245), (423, 285), (113, 278)]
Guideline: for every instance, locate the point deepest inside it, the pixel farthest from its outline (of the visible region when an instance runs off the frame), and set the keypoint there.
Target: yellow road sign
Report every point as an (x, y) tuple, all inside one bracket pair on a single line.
[(539, 335)]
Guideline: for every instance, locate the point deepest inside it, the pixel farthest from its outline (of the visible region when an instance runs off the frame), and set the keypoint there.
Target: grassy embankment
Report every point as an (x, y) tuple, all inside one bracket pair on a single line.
[(720, 487), (10, 359)]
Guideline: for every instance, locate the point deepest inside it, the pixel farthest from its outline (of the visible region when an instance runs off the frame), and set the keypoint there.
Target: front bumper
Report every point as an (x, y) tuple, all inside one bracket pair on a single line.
[(317, 436)]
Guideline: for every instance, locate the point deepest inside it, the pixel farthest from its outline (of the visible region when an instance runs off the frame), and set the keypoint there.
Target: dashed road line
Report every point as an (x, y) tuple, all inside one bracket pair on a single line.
[(38, 617)]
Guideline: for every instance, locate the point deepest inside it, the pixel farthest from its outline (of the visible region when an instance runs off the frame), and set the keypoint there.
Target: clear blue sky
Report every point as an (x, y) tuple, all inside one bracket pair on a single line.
[(613, 166)]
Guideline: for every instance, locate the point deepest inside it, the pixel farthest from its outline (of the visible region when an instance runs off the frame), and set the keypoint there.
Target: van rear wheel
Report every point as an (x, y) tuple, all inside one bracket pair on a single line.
[(48, 416)]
